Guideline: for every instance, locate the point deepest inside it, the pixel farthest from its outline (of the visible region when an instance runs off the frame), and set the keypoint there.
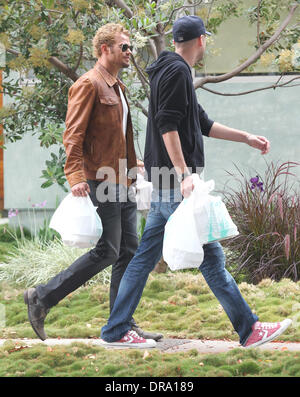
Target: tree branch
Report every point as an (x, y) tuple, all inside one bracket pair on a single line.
[(159, 40), (209, 11), (54, 11), (121, 4), (217, 79), (55, 62), (274, 86), (79, 58), (142, 77), (63, 68), (152, 48), (178, 9), (14, 52), (258, 22), (129, 14), (140, 106)]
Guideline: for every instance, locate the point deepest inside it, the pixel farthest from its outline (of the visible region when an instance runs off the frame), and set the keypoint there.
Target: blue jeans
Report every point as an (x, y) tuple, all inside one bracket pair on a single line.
[(148, 254)]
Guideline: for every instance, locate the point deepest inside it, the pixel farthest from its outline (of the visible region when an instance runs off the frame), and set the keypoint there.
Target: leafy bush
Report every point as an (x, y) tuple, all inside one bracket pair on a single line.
[(266, 211)]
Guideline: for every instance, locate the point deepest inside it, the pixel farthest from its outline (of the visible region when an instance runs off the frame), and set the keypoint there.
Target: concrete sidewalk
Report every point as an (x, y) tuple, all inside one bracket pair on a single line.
[(168, 345)]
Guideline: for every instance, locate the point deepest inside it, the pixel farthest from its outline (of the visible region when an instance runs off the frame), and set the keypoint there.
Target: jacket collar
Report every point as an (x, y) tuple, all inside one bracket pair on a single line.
[(109, 79)]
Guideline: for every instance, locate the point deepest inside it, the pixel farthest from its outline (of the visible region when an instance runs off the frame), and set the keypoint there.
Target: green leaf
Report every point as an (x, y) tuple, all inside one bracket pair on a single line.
[(47, 184), (134, 23)]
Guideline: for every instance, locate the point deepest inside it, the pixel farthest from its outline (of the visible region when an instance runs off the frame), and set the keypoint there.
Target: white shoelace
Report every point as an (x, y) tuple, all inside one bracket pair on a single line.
[(267, 325), (134, 335)]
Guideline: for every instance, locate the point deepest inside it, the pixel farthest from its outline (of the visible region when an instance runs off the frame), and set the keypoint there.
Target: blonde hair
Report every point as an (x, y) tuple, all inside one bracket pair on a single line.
[(106, 35)]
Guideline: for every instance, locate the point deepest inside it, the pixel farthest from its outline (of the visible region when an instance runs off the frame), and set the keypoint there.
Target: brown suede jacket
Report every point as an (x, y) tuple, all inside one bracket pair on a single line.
[(94, 135)]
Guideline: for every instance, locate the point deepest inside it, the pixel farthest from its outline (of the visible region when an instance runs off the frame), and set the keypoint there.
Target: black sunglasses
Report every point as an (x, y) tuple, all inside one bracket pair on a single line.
[(124, 47)]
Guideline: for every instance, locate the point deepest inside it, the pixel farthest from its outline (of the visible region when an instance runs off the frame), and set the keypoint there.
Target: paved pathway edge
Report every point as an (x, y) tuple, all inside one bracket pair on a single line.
[(167, 345)]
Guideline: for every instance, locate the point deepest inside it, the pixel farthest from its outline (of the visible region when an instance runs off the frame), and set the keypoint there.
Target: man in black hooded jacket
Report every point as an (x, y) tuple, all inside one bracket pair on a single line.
[(173, 107), (174, 150)]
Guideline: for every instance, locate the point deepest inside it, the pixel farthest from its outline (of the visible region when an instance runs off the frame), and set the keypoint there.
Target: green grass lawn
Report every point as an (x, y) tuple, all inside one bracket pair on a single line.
[(79, 360), (177, 304)]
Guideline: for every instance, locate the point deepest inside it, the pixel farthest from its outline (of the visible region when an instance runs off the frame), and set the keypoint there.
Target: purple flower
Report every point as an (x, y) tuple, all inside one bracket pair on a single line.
[(12, 213), (256, 184), (40, 205), (43, 204)]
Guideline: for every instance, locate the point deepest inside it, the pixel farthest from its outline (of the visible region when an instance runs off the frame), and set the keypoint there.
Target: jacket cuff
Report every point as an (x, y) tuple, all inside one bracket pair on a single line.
[(75, 178)]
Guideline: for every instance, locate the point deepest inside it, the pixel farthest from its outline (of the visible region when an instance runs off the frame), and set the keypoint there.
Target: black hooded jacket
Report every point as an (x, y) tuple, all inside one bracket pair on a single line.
[(173, 106)]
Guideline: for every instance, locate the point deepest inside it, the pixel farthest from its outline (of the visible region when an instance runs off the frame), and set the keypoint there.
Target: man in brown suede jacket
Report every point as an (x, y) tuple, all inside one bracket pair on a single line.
[(100, 149)]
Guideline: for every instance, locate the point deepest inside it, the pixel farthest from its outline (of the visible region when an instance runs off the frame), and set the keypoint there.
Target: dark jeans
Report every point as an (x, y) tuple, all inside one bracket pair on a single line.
[(116, 247)]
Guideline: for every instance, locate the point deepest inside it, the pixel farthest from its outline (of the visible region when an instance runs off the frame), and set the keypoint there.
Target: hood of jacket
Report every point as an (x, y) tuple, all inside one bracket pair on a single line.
[(167, 60)]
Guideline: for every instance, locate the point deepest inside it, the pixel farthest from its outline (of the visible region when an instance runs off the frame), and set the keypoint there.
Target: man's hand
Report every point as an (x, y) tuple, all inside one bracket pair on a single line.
[(221, 131), (187, 186), (81, 189), (141, 167), (259, 142), (139, 163)]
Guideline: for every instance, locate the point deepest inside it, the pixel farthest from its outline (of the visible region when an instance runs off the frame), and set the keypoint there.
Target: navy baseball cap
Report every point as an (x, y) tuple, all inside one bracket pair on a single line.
[(187, 28)]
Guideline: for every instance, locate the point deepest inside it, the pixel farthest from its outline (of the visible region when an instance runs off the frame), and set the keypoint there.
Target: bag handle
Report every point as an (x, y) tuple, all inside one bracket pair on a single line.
[(202, 187)]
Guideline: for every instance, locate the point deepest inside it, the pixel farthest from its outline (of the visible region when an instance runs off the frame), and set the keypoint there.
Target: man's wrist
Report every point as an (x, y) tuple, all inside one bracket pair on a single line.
[(247, 138), (181, 177)]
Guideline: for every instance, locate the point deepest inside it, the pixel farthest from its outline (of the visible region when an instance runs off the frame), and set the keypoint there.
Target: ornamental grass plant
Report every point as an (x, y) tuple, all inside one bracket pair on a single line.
[(35, 261), (266, 210)]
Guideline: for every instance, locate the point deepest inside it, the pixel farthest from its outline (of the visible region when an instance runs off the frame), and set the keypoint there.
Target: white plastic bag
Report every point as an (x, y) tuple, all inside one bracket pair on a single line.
[(143, 193), (213, 222), (182, 248), (77, 221), (199, 219)]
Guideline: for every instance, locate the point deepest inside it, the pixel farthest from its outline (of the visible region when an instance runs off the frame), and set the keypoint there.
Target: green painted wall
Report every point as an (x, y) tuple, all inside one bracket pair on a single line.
[(24, 161), (234, 42), (272, 113)]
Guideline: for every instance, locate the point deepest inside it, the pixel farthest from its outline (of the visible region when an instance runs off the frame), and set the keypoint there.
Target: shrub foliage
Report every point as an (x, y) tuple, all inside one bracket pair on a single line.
[(266, 210)]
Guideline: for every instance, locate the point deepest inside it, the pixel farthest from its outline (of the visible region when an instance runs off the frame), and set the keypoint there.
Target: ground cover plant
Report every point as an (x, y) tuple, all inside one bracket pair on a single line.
[(178, 304), (79, 360), (266, 210)]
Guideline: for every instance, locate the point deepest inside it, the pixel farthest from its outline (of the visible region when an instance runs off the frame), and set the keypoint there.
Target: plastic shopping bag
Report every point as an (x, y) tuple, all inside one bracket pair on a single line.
[(182, 248), (213, 222), (77, 221), (199, 219), (143, 193)]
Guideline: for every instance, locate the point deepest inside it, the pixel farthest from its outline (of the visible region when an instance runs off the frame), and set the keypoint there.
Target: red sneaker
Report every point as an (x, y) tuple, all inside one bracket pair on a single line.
[(132, 340), (265, 332)]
